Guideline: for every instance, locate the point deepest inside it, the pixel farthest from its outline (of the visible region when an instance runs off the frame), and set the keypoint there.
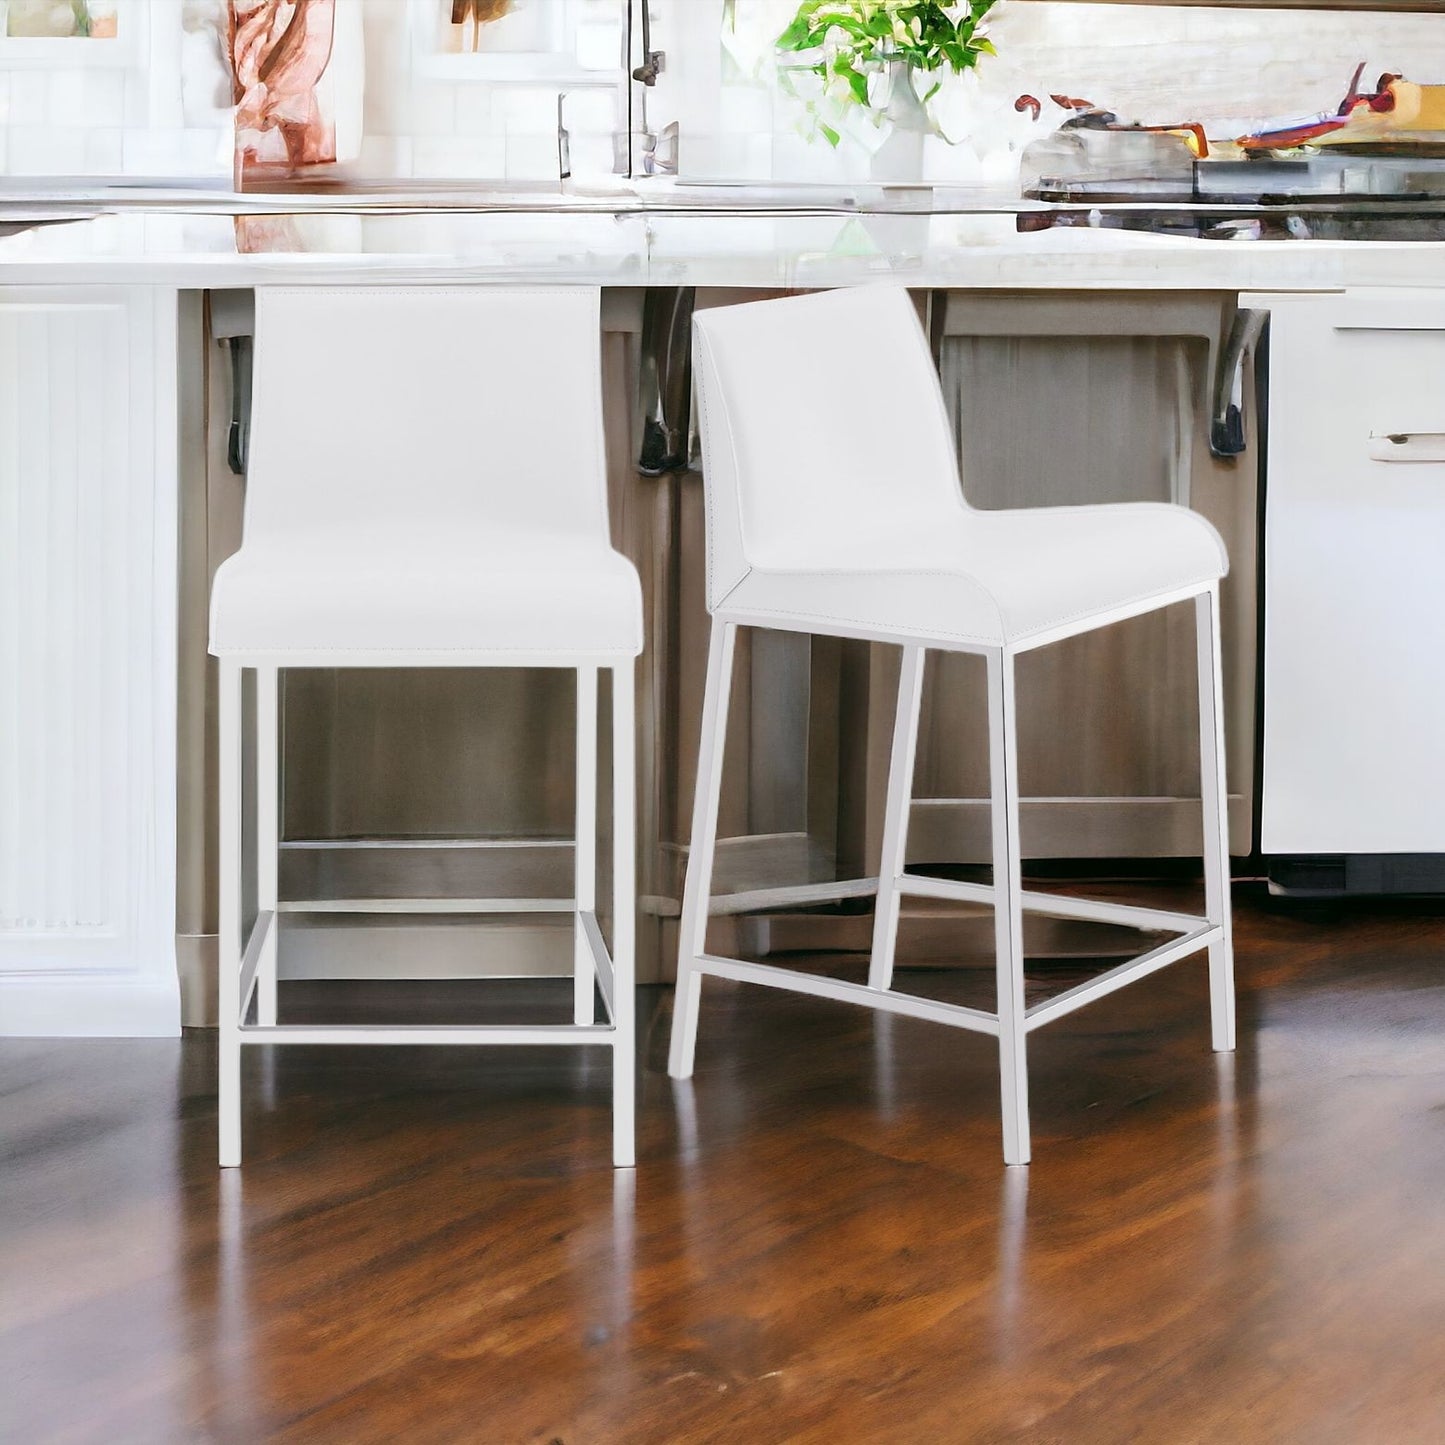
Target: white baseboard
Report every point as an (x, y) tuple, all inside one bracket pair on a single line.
[(81, 1005)]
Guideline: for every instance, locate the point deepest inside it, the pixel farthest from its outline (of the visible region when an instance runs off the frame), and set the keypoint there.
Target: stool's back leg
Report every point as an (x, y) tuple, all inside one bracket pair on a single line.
[(1008, 909), (895, 818), (1214, 798)]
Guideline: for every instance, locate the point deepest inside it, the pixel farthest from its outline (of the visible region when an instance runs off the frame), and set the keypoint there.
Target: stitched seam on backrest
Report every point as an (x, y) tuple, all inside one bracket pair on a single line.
[(708, 486), (960, 496)]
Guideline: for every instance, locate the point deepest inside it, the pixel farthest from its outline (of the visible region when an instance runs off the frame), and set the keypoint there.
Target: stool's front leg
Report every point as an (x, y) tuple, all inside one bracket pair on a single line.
[(624, 916), (268, 832), (1008, 907), (584, 887), (692, 929), (228, 1102)]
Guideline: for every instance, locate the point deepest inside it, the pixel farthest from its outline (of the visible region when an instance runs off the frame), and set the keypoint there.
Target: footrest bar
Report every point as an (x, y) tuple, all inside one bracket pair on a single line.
[(1117, 978), (426, 905), (799, 895), (855, 993), (574, 1034), (1053, 905)]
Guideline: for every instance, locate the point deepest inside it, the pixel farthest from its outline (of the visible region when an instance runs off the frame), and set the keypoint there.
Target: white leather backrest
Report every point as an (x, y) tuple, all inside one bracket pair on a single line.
[(824, 432), (466, 410)]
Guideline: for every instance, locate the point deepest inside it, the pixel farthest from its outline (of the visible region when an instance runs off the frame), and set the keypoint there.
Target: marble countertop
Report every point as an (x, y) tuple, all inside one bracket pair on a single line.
[(665, 238)]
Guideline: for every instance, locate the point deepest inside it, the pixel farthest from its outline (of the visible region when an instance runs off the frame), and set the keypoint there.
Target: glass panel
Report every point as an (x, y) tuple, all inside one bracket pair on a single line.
[(58, 19)]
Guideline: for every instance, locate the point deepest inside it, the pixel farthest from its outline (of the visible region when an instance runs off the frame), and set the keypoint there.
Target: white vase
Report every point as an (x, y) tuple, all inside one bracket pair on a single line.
[(899, 160)]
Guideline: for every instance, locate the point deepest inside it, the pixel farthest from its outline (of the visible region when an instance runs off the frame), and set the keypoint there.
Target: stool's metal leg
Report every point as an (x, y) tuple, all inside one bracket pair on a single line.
[(1008, 911), (584, 887), (228, 1105), (692, 931), (1214, 797), (624, 916), (268, 833), (895, 818)]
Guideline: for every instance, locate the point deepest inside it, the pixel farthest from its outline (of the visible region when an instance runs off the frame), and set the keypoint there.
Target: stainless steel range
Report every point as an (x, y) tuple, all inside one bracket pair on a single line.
[(1142, 180)]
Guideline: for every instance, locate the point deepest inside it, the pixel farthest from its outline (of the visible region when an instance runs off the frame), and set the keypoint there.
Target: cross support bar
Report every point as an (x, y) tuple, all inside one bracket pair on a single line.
[(1117, 978), (856, 993), (601, 961), (975, 1020), (251, 959)]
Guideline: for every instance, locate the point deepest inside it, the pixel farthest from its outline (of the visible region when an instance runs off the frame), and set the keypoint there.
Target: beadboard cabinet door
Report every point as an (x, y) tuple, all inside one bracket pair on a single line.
[(87, 660)]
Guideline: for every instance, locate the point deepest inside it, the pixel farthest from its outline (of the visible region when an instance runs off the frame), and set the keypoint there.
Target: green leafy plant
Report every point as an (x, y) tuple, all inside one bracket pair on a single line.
[(856, 39)]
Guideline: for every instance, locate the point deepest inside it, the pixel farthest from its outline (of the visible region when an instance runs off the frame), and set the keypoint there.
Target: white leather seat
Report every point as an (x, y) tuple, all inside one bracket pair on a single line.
[(834, 505), (994, 577), (482, 595), (427, 486)]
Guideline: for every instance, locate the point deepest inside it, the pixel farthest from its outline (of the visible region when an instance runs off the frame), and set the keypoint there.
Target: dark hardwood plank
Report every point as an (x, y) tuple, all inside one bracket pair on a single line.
[(819, 1245)]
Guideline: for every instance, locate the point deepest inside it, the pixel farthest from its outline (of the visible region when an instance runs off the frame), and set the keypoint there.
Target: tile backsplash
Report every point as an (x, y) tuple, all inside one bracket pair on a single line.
[(166, 112), (1151, 63), (1160, 63)]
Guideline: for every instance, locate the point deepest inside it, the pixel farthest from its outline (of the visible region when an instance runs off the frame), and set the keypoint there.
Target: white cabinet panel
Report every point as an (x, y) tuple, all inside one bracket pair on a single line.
[(1354, 702), (87, 661)]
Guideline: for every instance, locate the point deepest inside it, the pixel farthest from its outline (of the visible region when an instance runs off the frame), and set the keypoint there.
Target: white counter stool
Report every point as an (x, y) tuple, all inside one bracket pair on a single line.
[(427, 488), (834, 506)]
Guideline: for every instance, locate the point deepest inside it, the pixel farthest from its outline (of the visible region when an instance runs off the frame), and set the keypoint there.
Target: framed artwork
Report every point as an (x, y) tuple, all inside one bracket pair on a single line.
[(572, 42), (46, 34)]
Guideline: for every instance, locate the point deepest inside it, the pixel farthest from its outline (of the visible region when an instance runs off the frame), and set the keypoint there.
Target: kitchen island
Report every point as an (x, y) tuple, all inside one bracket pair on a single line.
[(1083, 362)]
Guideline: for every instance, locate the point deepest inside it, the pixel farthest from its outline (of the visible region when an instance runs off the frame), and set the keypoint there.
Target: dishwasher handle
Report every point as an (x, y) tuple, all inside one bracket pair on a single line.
[(1407, 446)]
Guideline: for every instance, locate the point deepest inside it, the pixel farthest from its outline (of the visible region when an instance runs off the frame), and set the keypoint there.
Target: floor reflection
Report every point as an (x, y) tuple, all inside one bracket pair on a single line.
[(819, 1241), (885, 1064)]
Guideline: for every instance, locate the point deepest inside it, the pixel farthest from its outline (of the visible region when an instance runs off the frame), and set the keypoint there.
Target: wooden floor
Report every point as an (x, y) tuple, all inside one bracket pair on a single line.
[(819, 1244)]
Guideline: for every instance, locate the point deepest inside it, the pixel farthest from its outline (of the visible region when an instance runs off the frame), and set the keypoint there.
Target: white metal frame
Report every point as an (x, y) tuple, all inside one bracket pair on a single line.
[(248, 963), (1012, 1021)]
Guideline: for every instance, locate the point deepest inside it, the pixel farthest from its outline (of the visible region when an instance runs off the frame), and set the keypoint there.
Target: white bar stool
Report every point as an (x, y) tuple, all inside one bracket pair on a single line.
[(427, 488), (838, 510)]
